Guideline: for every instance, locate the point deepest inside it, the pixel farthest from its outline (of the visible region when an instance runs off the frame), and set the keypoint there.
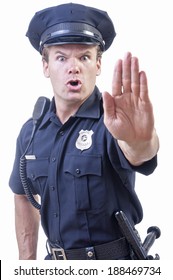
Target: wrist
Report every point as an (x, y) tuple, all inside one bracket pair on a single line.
[(140, 151)]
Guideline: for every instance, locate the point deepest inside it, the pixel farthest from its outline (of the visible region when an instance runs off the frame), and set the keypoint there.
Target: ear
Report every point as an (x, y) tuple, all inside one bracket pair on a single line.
[(45, 68), (98, 66)]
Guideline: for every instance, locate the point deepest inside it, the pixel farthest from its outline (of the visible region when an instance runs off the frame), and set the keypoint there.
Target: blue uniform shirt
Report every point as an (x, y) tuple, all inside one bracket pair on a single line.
[(81, 175)]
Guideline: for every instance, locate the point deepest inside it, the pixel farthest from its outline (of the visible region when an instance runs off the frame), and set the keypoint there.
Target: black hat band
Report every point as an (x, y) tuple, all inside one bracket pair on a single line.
[(71, 32)]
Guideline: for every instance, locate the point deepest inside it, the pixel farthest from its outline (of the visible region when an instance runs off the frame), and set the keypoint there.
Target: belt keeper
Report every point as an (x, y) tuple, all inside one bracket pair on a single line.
[(90, 253)]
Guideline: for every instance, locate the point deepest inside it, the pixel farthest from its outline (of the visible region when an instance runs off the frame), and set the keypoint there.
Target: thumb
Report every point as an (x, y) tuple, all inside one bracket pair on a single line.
[(108, 105)]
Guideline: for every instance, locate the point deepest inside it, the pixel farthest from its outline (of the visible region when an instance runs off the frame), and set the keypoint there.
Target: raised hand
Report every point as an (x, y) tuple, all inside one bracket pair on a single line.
[(128, 112)]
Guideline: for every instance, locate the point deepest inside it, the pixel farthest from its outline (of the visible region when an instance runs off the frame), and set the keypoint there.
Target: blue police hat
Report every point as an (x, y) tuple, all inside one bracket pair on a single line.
[(70, 24)]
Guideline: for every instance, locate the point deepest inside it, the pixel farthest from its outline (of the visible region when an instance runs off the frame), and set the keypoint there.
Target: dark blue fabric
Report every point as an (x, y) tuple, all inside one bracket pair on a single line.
[(80, 189), (48, 26)]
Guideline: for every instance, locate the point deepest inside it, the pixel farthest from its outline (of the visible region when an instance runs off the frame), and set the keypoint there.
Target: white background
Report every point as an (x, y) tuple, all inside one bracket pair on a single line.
[(143, 27)]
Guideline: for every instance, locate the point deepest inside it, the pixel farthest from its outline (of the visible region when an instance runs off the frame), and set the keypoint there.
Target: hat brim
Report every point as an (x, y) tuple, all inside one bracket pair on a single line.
[(71, 33), (72, 40)]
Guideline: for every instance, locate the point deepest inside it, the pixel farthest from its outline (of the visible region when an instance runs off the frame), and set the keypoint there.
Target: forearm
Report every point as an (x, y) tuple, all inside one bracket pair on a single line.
[(27, 225), (138, 153)]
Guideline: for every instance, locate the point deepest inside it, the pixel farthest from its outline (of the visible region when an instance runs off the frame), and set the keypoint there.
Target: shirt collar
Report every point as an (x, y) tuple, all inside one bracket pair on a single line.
[(89, 109)]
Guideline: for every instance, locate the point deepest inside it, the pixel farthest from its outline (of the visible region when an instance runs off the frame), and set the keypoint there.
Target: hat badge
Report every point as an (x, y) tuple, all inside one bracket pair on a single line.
[(84, 140)]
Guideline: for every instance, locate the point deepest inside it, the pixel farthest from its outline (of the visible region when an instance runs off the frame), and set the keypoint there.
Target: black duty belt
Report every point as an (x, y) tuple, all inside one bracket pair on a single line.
[(114, 250)]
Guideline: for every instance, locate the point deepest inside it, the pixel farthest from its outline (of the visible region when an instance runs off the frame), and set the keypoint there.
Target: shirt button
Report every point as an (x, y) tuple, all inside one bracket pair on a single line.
[(53, 159), (55, 215), (77, 171), (61, 133), (52, 188)]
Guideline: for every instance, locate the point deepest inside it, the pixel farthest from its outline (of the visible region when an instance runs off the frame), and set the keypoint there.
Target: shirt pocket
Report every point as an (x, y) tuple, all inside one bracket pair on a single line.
[(37, 172), (86, 175)]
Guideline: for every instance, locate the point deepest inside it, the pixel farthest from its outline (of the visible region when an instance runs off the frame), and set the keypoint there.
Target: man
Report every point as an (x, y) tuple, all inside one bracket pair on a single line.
[(81, 161)]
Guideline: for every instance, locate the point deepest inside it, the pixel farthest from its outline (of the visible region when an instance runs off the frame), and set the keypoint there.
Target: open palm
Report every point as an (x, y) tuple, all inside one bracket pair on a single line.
[(128, 112)]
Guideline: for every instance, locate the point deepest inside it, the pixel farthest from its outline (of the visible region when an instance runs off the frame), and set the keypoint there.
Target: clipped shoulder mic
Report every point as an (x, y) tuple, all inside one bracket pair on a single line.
[(40, 108)]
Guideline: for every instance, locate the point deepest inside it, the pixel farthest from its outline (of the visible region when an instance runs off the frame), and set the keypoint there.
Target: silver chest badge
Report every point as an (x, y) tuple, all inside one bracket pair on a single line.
[(84, 141)]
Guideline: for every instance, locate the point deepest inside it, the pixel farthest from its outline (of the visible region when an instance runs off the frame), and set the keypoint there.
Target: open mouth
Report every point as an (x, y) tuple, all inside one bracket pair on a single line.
[(74, 84)]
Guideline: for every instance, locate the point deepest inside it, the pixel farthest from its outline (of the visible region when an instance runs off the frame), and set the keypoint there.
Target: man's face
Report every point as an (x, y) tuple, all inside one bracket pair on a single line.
[(72, 70)]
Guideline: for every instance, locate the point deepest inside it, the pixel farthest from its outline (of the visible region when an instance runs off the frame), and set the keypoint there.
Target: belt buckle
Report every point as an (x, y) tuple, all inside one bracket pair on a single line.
[(58, 253)]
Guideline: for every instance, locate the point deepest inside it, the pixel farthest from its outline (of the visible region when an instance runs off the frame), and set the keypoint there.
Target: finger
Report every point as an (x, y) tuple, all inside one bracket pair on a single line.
[(109, 106), (126, 73), (143, 87), (135, 77), (117, 79)]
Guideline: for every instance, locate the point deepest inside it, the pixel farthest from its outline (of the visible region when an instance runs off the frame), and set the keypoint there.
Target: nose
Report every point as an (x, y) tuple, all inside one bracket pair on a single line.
[(73, 67)]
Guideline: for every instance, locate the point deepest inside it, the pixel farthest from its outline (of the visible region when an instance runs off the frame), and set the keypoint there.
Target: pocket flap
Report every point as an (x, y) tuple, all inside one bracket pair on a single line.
[(79, 165)]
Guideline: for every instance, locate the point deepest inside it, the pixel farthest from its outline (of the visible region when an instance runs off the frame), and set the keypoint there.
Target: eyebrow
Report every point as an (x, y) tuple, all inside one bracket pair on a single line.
[(59, 52)]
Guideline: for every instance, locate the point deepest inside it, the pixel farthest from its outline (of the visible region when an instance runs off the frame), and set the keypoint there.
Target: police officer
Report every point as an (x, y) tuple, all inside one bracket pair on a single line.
[(86, 150)]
